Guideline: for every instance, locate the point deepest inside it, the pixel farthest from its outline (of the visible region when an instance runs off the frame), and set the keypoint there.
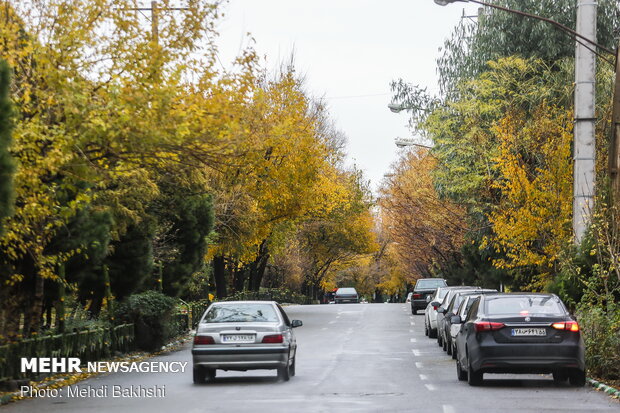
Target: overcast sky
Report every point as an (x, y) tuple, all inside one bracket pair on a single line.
[(349, 51)]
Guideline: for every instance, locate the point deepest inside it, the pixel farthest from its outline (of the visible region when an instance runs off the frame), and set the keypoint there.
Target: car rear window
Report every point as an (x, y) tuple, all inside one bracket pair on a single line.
[(240, 313), (427, 284), (543, 305), (346, 290)]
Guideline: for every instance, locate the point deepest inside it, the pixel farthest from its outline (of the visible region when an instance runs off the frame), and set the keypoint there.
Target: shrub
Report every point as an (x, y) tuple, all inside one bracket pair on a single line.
[(153, 316), (600, 325)]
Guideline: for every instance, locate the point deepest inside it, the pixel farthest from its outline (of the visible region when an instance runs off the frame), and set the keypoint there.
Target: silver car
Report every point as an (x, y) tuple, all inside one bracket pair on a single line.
[(244, 335)]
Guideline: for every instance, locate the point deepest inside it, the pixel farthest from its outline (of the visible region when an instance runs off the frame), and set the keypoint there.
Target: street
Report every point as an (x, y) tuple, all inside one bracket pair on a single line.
[(351, 357)]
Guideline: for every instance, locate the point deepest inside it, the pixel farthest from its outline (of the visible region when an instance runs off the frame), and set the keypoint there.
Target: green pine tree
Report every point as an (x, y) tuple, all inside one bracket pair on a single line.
[(7, 167)]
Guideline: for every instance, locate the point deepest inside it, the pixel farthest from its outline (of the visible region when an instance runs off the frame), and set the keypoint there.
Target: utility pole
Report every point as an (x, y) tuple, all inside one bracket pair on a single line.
[(584, 149), (154, 9)]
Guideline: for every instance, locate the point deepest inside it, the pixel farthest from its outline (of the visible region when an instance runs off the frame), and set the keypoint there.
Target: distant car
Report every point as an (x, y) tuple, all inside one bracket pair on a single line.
[(519, 333), (244, 335), (424, 287), (408, 299), (444, 327), (346, 295)]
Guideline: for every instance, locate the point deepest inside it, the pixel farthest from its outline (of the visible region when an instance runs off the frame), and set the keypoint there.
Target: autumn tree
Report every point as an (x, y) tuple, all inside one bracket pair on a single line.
[(426, 230)]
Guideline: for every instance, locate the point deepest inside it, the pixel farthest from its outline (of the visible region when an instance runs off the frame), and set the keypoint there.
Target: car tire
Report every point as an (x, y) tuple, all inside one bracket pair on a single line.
[(432, 333), (283, 373), (449, 348), (414, 311), (425, 328), (454, 352), (444, 345), (474, 378), (460, 373), (291, 369), (439, 340), (560, 376), (199, 375), (577, 378)]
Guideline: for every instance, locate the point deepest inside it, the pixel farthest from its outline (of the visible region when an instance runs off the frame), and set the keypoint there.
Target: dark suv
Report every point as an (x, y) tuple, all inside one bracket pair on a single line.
[(424, 287)]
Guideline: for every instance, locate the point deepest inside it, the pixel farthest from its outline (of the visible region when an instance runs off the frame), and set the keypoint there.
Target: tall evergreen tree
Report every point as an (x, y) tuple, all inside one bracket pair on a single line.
[(7, 166)]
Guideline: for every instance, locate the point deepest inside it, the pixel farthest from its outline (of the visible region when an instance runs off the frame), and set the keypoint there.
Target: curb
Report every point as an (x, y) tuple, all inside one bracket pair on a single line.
[(604, 388)]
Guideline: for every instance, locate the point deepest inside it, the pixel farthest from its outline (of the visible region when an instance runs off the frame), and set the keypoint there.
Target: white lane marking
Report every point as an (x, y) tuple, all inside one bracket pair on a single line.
[(423, 377), (324, 328), (416, 352), (412, 323), (411, 331), (448, 408), (413, 340), (331, 322), (419, 365), (431, 387), (411, 317)]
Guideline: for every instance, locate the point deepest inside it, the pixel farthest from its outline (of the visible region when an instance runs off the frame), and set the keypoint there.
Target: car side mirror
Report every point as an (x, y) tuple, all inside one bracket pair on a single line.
[(296, 323), (441, 310), (456, 319), (435, 303)]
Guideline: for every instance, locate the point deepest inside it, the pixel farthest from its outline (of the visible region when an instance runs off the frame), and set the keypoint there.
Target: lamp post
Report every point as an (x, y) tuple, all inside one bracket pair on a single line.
[(584, 140)]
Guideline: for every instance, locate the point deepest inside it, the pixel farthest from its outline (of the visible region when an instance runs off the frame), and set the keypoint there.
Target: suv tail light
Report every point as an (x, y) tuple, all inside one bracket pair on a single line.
[(487, 326), (274, 338), (567, 325), (417, 296), (203, 340)]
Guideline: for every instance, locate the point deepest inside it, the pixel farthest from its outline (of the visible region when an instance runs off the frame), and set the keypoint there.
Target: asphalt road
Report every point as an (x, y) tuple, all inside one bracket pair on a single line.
[(351, 358)]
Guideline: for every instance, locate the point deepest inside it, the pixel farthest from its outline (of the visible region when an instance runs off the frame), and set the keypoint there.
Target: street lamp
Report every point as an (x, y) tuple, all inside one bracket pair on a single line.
[(401, 143), (584, 140)]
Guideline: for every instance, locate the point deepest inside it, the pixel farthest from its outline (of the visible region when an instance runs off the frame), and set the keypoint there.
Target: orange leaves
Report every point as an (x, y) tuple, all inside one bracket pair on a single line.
[(531, 224)]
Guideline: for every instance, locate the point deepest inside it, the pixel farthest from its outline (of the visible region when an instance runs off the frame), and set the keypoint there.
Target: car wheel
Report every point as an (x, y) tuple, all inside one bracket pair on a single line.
[(291, 369), (425, 328), (283, 373), (199, 375), (577, 378), (454, 352), (414, 311), (474, 378), (432, 333), (449, 348), (460, 373), (444, 345), (439, 340), (560, 376)]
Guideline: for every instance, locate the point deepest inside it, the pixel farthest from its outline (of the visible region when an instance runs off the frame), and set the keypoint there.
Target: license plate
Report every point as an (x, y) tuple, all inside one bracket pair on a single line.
[(238, 338), (524, 332)]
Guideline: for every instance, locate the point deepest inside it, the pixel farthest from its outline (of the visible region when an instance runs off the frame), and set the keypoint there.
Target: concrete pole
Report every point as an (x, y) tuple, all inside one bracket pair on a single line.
[(584, 144), (614, 150)]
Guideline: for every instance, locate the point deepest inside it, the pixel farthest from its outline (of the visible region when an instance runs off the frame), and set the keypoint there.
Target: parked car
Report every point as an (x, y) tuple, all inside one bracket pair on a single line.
[(444, 327), (430, 312), (443, 305), (244, 335), (519, 333), (346, 295), (424, 287), (466, 303)]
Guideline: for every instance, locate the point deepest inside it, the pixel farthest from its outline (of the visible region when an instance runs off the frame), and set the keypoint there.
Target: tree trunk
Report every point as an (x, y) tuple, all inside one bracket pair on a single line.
[(36, 311), (219, 275)]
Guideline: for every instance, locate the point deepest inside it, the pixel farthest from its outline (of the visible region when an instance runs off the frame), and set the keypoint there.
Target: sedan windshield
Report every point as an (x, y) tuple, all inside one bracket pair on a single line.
[(524, 305), (240, 313)]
